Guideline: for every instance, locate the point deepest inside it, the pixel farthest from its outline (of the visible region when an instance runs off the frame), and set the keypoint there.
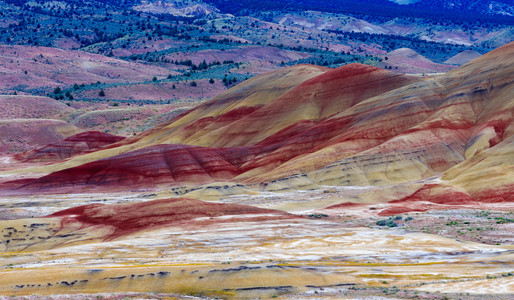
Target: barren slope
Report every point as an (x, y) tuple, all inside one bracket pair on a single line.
[(42, 67), (408, 61), (306, 126)]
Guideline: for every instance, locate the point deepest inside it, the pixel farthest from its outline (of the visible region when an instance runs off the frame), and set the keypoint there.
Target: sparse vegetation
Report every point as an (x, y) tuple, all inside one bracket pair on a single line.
[(389, 222), (318, 216)]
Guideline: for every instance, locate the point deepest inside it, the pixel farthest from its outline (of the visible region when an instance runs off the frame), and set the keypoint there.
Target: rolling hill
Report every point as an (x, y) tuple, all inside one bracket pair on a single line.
[(310, 126), (462, 58)]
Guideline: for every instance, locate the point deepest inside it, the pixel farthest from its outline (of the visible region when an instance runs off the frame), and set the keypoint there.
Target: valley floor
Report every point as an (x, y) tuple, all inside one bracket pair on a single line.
[(461, 253)]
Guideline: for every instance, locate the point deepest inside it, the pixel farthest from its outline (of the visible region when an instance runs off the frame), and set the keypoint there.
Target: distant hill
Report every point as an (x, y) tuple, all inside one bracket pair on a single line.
[(174, 8), (408, 61), (28, 122), (29, 68), (34, 107), (19, 135), (463, 57), (456, 10), (484, 7)]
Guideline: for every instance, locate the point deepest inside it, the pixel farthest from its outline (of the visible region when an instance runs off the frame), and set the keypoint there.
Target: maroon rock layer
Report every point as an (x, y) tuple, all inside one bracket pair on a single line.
[(124, 219), (74, 145)]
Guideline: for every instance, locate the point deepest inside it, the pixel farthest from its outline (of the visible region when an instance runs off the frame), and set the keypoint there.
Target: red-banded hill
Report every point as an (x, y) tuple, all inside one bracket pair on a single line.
[(97, 223), (74, 145), (307, 125), (124, 219)]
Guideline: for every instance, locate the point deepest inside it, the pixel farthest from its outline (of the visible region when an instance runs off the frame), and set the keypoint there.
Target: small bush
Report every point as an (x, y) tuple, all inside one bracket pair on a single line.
[(318, 216), (391, 223), (381, 223)]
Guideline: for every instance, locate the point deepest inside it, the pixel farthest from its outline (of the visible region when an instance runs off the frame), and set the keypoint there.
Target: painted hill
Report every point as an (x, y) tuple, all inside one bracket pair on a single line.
[(307, 126), (74, 145), (99, 222), (463, 57), (241, 130), (30, 122)]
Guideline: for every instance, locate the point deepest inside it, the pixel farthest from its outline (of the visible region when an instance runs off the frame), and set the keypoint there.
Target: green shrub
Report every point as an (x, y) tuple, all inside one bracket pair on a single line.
[(391, 223)]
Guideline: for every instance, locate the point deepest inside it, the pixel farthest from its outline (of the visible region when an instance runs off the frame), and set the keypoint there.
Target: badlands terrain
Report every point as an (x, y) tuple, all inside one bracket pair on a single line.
[(257, 149), (303, 182)]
